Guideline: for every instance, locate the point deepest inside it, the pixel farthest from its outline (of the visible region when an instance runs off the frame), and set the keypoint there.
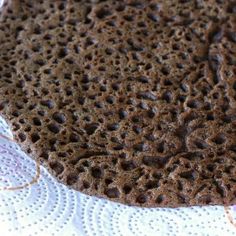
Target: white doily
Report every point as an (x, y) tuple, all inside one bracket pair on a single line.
[(33, 203)]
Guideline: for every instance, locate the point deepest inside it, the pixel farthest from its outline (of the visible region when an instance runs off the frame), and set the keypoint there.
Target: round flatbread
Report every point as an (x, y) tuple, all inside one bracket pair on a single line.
[(133, 101)]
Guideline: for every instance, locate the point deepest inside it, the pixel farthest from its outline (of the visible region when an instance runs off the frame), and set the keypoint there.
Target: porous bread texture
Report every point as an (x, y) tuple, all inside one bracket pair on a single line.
[(133, 101)]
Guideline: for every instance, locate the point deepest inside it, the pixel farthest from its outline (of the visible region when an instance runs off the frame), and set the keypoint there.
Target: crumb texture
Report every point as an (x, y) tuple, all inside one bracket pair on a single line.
[(133, 101)]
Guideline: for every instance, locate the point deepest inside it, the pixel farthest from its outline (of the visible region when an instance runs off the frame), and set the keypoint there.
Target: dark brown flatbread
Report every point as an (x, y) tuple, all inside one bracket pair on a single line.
[(133, 101)]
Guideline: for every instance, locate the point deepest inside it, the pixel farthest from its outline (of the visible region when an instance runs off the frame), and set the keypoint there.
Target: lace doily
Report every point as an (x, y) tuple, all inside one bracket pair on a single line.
[(33, 203)]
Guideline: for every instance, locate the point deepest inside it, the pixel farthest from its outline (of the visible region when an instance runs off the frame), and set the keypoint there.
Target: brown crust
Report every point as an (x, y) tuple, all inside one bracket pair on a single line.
[(133, 101)]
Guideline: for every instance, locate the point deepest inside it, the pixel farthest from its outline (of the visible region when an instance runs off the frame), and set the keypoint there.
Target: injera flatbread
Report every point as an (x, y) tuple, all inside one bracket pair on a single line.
[(133, 101)]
